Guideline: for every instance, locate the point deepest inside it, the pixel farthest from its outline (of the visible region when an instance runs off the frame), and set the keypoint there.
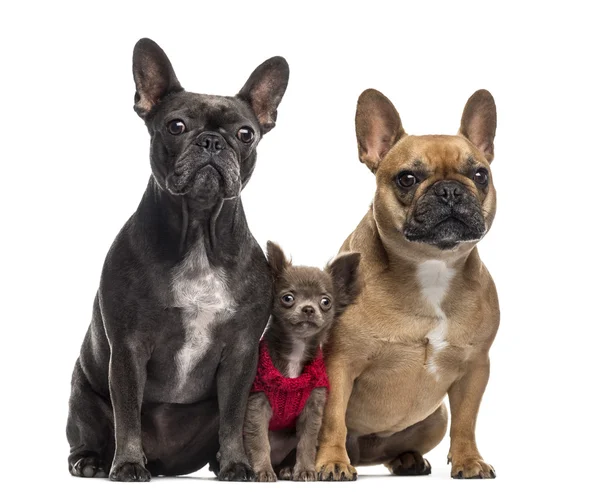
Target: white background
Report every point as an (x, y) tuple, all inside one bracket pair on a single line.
[(74, 161)]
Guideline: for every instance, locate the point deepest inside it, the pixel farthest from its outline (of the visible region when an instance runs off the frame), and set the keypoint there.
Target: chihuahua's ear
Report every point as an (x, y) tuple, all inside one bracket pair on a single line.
[(276, 259), (343, 270), (153, 75), (265, 89), (378, 127)]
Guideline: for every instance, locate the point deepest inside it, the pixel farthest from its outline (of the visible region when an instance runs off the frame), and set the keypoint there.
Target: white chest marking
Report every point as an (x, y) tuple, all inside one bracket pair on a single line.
[(295, 367), (202, 294), (434, 277)]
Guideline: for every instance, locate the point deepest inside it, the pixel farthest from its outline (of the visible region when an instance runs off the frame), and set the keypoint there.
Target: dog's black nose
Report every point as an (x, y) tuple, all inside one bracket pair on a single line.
[(449, 191), (308, 310), (211, 142)]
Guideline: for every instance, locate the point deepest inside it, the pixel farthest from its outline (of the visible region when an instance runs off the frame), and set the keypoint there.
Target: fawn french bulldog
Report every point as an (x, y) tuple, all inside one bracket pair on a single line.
[(428, 313), (167, 363)]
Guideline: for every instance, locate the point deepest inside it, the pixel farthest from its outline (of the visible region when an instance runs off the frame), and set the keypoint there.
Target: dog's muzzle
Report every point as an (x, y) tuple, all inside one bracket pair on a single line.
[(208, 167), (446, 215)]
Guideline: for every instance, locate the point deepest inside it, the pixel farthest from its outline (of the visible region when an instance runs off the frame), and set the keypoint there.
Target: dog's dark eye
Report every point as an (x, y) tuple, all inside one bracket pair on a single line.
[(288, 299), (325, 303), (481, 177), (406, 179), (176, 127), (245, 134)]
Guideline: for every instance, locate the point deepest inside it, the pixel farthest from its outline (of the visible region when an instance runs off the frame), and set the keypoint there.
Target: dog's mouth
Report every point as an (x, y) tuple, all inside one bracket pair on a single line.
[(207, 181), (305, 323), (446, 230), (305, 327)]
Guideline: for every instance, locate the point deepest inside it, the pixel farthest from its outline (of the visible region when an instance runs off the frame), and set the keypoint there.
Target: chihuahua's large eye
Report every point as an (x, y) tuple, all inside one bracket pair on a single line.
[(481, 177), (287, 299), (176, 127), (406, 179), (325, 303), (245, 134)]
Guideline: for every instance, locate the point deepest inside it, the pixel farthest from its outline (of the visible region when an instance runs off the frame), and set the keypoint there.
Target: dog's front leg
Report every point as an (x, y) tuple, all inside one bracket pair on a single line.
[(234, 379), (127, 378), (307, 431), (256, 437), (465, 397), (333, 462)]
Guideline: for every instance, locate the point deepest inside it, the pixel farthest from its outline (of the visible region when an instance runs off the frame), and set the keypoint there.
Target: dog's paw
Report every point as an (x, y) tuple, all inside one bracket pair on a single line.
[(471, 468), (89, 465), (265, 476), (409, 463), (236, 471), (129, 472), (337, 472), (304, 475), (285, 473)]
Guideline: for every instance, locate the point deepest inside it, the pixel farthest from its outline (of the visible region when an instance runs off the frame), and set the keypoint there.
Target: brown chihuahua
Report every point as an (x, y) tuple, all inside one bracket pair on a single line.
[(285, 407)]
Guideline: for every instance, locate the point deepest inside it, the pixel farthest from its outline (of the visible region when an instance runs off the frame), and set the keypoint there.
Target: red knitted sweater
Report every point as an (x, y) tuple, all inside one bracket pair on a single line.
[(287, 395)]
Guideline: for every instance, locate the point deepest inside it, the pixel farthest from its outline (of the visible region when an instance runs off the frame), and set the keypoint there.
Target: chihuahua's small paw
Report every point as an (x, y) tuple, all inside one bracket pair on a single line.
[(471, 468), (285, 473), (265, 476), (304, 475), (236, 471), (337, 472), (409, 463), (129, 472)]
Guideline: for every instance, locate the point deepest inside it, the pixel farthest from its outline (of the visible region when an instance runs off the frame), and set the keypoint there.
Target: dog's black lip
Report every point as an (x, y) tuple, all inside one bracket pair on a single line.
[(185, 189), (410, 237), (451, 217)]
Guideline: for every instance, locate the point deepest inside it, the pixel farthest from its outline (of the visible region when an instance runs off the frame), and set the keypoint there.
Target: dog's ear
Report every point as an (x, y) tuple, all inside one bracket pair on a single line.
[(378, 127), (478, 123), (343, 270), (276, 259), (265, 89), (153, 75)]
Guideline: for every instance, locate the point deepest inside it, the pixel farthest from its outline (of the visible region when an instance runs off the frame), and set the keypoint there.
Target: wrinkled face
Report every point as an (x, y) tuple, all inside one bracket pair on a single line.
[(304, 301), (203, 147), (436, 190)]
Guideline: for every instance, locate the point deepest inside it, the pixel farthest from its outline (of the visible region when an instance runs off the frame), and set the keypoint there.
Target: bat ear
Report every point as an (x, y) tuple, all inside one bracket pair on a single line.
[(343, 270), (378, 127), (265, 89), (478, 123), (153, 75)]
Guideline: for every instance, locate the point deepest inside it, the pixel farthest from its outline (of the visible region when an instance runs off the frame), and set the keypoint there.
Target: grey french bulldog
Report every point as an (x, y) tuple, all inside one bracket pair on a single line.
[(167, 363)]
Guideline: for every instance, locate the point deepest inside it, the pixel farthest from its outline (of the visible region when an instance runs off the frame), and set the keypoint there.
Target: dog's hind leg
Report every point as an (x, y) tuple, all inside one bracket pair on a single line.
[(89, 429), (402, 452)]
